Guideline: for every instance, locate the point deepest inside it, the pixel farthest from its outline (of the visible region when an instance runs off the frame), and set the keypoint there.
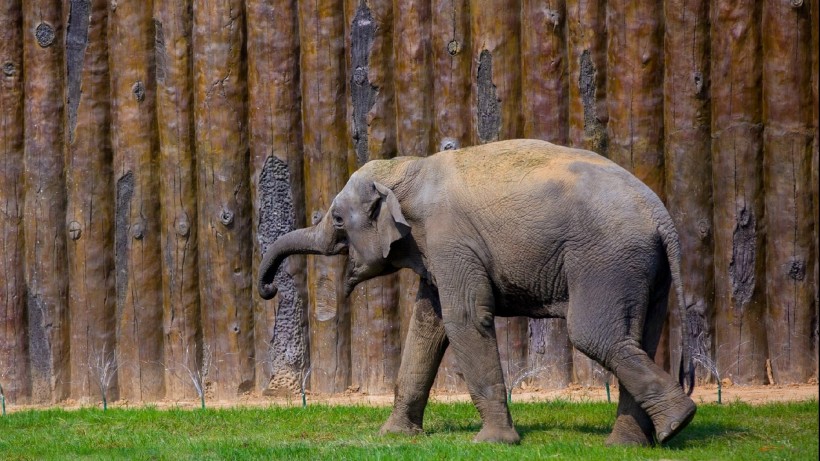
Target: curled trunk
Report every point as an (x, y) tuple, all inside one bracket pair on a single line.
[(310, 240)]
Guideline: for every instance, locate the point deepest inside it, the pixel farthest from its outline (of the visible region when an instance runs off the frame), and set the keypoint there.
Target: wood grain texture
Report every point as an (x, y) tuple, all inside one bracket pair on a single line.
[(90, 196), (545, 108), (14, 367), (173, 24), (375, 315), (277, 163), (815, 180), (739, 231), (588, 113), (321, 34), (688, 163), (44, 208), (788, 138), (223, 195), (137, 210)]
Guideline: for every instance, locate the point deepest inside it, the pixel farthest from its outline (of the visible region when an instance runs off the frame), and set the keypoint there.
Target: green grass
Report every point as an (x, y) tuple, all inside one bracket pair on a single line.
[(553, 430)]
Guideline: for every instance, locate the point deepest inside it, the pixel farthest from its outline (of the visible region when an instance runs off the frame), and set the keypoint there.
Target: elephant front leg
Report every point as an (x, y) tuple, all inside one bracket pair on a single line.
[(472, 335), (421, 356)]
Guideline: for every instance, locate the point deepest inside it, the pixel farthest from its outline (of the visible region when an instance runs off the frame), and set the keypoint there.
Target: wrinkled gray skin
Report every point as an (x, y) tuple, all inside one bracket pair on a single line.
[(513, 228)]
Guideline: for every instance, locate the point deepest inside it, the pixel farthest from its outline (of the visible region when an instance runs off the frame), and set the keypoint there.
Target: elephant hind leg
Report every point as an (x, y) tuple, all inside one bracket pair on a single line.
[(612, 335)]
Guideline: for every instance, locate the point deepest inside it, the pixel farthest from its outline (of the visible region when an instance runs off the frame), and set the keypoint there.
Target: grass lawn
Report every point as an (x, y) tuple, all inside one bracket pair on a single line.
[(552, 430)]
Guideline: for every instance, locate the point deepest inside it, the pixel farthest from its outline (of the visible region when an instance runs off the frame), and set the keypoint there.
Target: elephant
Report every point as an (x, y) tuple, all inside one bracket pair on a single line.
[(513, 228)]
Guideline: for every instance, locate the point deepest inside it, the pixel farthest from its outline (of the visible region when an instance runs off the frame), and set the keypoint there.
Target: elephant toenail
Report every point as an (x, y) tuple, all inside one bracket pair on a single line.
[(663, 435), (675, 425)]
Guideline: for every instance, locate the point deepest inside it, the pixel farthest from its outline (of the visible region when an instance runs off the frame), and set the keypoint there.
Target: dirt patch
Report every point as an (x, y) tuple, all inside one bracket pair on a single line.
[(754, 395)]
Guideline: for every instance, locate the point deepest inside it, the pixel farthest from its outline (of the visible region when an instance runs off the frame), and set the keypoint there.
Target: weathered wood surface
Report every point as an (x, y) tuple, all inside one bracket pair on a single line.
[(223, 195), (177, 172), (687, 160), (321, 32), (14, 367), (788, 139), (739, 231), (44, 206), (90, 198), (137, 257), (275, 130)]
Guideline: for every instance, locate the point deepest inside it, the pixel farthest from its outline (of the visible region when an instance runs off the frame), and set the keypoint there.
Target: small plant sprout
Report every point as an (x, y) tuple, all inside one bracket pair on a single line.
[(103, 367), (199, 376), (707, 363), (3, 399)]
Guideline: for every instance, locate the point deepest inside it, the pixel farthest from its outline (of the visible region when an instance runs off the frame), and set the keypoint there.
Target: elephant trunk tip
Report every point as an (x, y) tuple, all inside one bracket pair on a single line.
[(267, 290)]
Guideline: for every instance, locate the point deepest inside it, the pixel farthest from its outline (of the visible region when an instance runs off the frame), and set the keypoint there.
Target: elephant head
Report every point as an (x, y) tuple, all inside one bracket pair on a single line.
[(363, 221)]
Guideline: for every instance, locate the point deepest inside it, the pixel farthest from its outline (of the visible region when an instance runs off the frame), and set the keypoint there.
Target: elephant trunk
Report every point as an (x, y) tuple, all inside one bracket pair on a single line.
[(310, 240)]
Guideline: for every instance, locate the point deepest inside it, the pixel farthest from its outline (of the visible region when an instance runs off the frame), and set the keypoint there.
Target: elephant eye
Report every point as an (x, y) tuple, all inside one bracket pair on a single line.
[(338, 221)]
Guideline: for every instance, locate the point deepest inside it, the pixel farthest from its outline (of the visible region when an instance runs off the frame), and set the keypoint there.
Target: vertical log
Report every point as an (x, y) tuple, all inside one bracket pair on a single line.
[(137, 212), (815, 180), (451, 117), (787, 152), (740, 341), (375, 317), (177, 173), (223, 195), (275, 129), (687, 149), (496, 95), (45, 202), (544, 97), (90, 210), (321, 34), (635, 98), (588, 112), (14, 371)]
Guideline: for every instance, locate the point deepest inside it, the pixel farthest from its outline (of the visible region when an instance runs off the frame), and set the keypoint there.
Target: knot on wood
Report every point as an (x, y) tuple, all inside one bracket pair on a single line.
[(74, 230), (448, 144), (44, 34), (797, 270), (138, 230), (796, 3), (138, 88), (453, 47), (704, 227), (183, 228), (9, 69), (226, 217)]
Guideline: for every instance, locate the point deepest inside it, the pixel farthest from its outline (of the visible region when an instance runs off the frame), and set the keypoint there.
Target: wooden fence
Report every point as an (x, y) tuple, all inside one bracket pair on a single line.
[(151, 151)]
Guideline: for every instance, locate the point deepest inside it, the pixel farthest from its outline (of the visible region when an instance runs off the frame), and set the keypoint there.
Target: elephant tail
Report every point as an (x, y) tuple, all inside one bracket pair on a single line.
[(671, 243)]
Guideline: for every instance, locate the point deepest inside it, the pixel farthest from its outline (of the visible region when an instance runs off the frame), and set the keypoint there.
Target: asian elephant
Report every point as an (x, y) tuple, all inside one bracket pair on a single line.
[(513, 228)]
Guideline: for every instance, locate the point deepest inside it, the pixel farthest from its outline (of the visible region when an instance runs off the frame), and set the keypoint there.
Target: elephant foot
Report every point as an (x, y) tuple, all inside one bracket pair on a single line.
[(627, 432), (400, 425), (673, 418), (498, 435)]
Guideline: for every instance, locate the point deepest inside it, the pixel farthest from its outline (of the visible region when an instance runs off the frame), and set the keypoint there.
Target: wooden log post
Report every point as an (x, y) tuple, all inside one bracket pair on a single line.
[(177, 173), (44, 208), (815, 180), (740, 341), (137, 211), (788, 139), (277, 161), (545, 98), (635, 99), (451, 118), (223, 195), (375, 316), (496, 110), (90, 210), (14, 370), (321, 34), (588, 113), (687, 152)]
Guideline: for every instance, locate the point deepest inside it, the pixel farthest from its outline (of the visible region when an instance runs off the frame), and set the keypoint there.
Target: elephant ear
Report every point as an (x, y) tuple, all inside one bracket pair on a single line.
[(390, 224)]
